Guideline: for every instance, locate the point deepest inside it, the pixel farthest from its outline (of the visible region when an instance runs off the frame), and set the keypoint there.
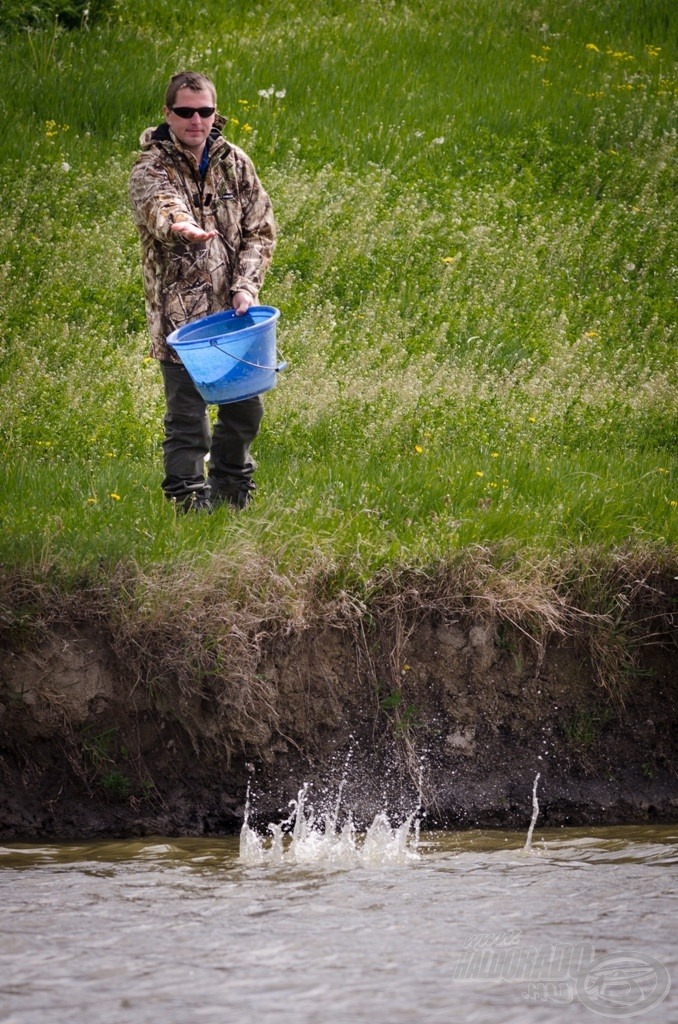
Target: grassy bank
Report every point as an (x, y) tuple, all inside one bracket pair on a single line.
[(476, 272)]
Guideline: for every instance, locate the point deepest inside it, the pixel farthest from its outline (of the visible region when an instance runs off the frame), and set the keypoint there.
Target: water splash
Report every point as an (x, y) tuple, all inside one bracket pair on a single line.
[(535, 815), (305, 838)]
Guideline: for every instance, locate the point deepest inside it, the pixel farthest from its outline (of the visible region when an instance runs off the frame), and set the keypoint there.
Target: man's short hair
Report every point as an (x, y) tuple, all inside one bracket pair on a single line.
[(188, 80)]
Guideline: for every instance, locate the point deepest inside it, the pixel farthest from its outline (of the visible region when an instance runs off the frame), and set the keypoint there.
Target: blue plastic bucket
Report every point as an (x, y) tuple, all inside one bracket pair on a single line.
[(230, 357)]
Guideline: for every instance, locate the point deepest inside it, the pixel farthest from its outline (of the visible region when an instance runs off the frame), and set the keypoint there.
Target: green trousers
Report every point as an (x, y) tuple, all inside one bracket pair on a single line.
[(189, 438)]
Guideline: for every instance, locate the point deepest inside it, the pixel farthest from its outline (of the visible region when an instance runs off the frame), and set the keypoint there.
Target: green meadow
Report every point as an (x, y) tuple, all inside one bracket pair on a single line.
[(476, 271)]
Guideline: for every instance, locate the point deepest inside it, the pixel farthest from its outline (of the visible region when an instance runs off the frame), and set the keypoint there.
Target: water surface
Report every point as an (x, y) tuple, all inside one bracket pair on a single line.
[(461, 927)]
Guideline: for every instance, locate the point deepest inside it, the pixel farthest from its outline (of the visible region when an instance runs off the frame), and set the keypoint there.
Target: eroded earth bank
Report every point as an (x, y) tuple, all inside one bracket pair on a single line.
[(117, 724)]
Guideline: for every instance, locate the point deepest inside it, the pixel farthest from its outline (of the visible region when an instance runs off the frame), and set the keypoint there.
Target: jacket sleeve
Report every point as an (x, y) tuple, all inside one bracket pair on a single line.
[(156, 202), (258, 231)]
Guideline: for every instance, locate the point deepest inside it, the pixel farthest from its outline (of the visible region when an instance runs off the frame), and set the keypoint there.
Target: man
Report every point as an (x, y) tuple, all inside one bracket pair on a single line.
[(207, 236)]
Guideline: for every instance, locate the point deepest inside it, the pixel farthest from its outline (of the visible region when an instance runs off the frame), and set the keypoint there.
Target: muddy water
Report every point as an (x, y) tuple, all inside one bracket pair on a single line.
[(458, 927)]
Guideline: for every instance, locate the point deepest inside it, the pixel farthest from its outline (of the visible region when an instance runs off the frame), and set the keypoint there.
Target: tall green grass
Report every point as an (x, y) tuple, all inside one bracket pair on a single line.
[(476, 271)]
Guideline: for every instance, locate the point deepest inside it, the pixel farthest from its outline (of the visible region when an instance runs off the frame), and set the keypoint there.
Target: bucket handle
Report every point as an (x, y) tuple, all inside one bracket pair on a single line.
[(257, 366)]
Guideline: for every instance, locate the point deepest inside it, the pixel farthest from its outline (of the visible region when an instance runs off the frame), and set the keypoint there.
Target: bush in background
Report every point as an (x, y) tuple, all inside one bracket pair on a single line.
[(69, 13)]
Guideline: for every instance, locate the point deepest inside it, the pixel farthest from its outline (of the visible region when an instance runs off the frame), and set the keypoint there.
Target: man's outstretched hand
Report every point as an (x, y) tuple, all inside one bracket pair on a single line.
[(191, 233)]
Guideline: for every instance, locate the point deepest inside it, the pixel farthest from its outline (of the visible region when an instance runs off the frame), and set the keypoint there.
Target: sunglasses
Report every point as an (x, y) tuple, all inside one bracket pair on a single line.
[(188, 112)]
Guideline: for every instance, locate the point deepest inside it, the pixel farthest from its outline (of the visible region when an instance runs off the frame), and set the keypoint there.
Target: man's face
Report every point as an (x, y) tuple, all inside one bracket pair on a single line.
[(192, 131)]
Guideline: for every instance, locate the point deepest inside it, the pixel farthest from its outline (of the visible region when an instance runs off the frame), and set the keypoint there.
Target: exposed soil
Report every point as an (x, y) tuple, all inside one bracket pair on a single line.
[(456, 710)]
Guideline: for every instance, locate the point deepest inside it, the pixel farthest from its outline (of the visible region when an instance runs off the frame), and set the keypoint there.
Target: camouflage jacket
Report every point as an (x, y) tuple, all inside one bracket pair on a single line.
[(184, 281)]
